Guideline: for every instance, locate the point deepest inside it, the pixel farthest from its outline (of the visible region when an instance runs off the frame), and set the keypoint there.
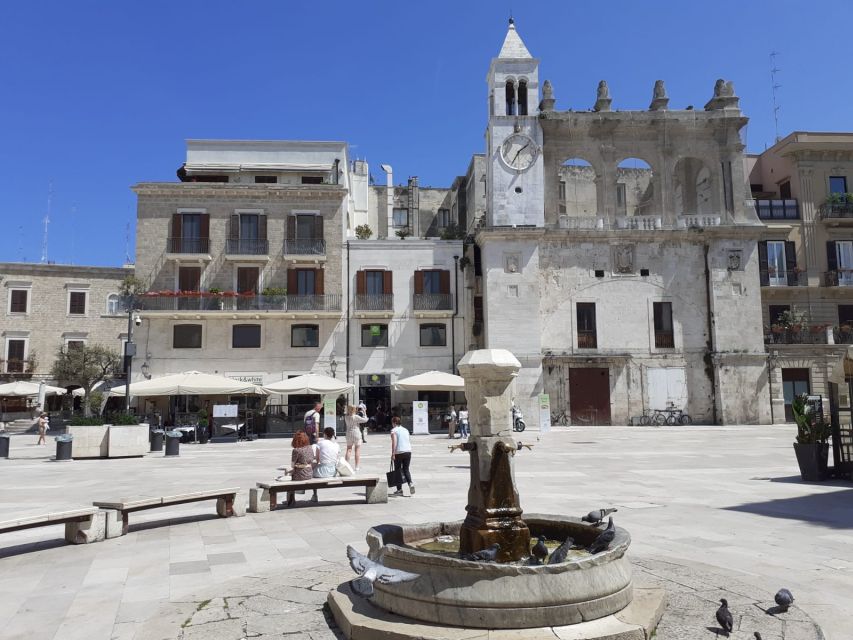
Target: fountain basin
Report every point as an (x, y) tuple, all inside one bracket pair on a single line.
[(489, 595)]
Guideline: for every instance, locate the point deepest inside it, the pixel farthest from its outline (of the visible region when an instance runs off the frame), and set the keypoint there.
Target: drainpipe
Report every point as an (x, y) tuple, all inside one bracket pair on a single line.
[(455, 313), (337, 170), (348, 311), (709, 364), (389, 198)]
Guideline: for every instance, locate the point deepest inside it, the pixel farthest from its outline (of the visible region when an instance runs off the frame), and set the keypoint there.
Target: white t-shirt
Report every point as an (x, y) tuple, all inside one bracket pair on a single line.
[(329, 451), (404, 444), (463, 416)]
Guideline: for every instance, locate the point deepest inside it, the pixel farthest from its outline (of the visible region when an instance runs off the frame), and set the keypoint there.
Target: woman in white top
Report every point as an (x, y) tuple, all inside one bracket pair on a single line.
[(328, 452), (464, 431), (401, 454), (353, 421)]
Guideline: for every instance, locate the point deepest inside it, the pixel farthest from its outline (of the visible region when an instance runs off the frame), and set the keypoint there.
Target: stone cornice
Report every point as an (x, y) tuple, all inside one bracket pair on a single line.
[(826, 155), (63, 270), (247, 191), (735, 232)]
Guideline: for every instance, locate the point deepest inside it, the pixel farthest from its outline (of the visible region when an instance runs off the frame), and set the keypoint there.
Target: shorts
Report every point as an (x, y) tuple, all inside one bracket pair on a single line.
[(353, 437)]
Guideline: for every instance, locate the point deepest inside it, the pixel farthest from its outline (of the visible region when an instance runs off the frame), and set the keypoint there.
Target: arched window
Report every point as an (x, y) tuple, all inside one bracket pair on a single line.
[(522, 97), (113, 304), (510, 98)]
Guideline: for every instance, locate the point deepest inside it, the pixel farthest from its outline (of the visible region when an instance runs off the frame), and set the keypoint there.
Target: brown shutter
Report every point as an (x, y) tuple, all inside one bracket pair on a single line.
[(177, 219), (291, 282), (262, 227), (386, 283), (234, 231), (291, 227), (763, 275), (360, 283), (831, 256), (444, 281), (419, 282), (318, 227), (205, 225), (318, 281)]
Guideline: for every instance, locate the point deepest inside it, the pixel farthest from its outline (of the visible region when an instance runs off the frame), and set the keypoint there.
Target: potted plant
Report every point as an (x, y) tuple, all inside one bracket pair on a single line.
[(216, 301), (274, 297), (203, 431), (811, 447), (402, 233), (363, 232)]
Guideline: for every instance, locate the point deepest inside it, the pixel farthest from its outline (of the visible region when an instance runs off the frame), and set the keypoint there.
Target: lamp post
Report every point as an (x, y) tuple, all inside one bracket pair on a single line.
[(129, 348)]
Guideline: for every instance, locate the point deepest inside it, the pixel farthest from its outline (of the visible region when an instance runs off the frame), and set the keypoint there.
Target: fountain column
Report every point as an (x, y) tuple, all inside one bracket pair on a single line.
[(493, 510)]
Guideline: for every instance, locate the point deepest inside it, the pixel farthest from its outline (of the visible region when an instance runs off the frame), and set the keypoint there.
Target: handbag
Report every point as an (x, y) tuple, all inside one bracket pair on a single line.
[(393, 476), (344, 468)]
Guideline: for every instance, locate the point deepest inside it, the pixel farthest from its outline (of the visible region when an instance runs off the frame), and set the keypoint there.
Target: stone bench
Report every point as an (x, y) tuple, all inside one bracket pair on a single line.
[(265, 496), (228, 503), (82, 526)]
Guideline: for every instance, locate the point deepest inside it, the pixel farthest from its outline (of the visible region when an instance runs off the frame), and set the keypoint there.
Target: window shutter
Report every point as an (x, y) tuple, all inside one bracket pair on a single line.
[(234, 231), (360, 283), (762, 264), (387, 288), (291, 227), (444, 281), (419, 282), (177, 219), (205, 225), (831, 256), (318, 282), (292, 284), (262, 227), (318, 227), (791, 262)]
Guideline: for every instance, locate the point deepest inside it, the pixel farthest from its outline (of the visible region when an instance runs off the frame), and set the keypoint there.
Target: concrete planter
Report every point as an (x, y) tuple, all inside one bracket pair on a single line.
[(109, 441), (457, 592), (813, 461)]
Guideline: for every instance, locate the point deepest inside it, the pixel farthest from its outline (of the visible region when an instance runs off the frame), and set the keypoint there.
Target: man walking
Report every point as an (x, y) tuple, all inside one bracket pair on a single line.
[(312, 422)]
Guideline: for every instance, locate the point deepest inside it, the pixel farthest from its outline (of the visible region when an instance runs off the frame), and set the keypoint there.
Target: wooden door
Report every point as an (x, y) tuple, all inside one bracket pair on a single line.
[(589, 395), (247, 279)]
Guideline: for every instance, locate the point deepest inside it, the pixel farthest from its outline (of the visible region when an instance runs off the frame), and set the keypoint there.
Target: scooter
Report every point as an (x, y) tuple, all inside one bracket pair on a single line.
[(517, 419)]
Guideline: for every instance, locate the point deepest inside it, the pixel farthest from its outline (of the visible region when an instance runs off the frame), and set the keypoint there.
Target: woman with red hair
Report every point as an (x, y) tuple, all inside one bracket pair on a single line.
[(301, 460)]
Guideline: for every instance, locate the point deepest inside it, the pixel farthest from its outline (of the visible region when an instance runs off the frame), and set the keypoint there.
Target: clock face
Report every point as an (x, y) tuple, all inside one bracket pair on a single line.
[(519, 152)]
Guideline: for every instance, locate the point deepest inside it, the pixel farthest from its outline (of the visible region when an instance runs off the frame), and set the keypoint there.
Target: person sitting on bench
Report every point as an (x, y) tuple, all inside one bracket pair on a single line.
[(302, 459), (328, 453)]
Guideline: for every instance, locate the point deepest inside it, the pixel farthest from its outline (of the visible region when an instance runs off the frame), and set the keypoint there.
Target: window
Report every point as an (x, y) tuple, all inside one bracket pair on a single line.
[(249, 226), (305, 282), (433, 335), (664, 338), (305, 226), (561, 196), (777, 269), (785, 190), (186, 336), (837, 184), (795, 382), (16, 354), (522, 97), (77, 303), (586, 325), (266, 179), (510, 98), (401, 217), (374, 335), (248, 279), (621, 199), (190, 233), (74, 344), (113, 304), (18, 300), (189, 278), (432, 282), (775, 312), (374, 283), (305, 335), (443, 218), (845, 314), (246, 336), (312, 179)]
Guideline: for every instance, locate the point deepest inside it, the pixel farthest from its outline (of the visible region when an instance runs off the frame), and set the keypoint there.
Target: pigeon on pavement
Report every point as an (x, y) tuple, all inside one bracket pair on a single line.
[(597, 517), (724, 616), (604, 538), (540, 551), (372, 571), (757, 635), (484, 555), (561, 552), (784, 599)]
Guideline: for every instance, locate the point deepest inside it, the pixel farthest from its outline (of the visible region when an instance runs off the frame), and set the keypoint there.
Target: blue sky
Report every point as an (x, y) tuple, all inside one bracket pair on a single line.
[(97, 96)]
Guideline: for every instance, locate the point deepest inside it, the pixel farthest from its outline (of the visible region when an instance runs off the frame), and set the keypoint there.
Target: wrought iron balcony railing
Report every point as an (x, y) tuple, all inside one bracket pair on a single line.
[(792, 335), (664, 340), (374, 302), (305, 247), (587, 340), (836, 210), (790, 278), (777, 209), (212, 302), (246, 247), (838, 278), (188, 245), (432, 302)]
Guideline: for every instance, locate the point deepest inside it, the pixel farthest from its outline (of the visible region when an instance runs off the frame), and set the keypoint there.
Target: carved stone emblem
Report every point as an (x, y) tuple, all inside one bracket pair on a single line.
[(623, 258), (735, 260), (512, 262)]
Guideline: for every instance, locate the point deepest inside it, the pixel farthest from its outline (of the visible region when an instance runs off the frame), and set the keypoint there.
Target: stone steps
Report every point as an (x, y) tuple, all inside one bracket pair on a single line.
[(17, 427)]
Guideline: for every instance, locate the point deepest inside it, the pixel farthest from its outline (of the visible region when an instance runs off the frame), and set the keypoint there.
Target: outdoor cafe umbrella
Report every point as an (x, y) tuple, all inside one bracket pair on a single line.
[(309, 383), (189, 383), (432, 381), (20, 389)]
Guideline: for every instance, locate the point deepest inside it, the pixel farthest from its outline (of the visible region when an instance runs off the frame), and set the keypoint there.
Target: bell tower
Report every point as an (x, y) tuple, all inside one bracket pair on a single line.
[(514, 173)]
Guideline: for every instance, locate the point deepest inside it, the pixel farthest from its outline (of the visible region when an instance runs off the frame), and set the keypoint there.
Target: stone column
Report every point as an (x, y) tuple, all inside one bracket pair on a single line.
[(807, 212), (494, 511)]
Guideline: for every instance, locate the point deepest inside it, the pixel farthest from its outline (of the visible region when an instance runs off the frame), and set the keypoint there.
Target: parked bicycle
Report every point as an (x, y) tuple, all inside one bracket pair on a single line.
[(669, 416), (560, 419)]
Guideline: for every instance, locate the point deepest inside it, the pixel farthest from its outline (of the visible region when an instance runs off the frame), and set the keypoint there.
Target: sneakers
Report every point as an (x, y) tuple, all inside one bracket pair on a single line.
[(412, 489), (357, 469), (398, 492)]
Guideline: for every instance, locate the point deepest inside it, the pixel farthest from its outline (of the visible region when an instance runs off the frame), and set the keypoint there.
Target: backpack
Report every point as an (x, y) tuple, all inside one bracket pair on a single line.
[(311, 424)]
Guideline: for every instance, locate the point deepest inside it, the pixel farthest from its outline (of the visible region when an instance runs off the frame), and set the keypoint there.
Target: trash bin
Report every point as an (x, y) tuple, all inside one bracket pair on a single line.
[(203, 435), (63, 446), (173, 443), (157, 439), (4, 444)]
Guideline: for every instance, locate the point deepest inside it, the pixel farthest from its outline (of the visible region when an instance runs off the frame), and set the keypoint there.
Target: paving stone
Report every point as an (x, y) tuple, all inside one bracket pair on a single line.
[(193, 566), (226, 558)]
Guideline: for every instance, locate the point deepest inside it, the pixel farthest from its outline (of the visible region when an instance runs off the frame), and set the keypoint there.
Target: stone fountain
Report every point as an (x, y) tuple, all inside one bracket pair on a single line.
[(586, 597)]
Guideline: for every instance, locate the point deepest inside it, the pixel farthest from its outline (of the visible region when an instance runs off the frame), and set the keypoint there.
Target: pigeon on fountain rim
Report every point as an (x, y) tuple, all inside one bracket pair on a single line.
[(484, 555), (540, 551), (604, 538), (596, 517), (561, 553), (370, 572)]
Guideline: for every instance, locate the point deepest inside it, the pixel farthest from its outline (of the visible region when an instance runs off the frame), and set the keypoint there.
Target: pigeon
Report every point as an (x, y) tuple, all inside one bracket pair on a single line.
[(484, 555), (604, 538), (597, 516), (757, 635), (372, 571), (540, 551), (561, 552), (784, 599), (724, 616)]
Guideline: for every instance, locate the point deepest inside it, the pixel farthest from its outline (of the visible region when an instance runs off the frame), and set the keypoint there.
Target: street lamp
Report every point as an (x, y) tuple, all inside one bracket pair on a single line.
[(333, 364), (133, 318)]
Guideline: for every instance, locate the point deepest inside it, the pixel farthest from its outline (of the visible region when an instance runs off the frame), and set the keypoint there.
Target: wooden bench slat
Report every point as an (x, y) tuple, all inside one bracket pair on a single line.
[(320, 482), (137, 504)]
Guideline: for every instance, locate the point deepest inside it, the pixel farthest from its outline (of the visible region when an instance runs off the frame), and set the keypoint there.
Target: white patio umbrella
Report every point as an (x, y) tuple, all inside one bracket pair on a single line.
[(189, 383), (309, 383), (432, 381), (20, 389)]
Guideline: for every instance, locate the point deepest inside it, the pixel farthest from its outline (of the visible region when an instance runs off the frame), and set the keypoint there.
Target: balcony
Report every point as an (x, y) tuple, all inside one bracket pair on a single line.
[(838, 278), (246, 247), (843, 334), (432, 302), (840, 212), (777, 209), (587, 340), (374, 302), (664, 340), (305, 247), (188, 246), (777, 334), (207, 302), (789, 278)]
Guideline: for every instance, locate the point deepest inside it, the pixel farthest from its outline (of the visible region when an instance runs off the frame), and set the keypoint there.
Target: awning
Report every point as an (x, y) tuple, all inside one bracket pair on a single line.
[(309, 383), (189, 383), (22, 389), (432, 381), (837, 374)]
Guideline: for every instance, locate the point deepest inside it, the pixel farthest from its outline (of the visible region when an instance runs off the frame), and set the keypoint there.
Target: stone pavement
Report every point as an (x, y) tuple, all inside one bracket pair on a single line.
[(728, 498)]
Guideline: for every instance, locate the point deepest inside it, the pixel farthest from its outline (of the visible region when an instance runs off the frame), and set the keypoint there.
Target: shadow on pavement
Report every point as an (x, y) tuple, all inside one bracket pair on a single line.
[(31, 547), (829, 509)]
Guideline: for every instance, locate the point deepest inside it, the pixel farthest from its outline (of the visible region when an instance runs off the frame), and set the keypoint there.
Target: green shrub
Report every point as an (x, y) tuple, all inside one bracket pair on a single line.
[(811, 429), (123, 419), (90, 421)]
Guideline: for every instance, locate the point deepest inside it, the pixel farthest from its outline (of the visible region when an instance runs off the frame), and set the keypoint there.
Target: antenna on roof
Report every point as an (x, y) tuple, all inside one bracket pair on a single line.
[(774, 86), (73, 216), (46, 222)]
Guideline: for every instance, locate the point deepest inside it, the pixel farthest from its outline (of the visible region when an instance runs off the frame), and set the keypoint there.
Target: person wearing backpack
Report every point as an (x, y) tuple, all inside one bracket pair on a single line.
[(312, 422)]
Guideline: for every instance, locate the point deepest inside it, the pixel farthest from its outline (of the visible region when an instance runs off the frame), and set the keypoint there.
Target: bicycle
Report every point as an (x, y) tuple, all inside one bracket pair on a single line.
[(671, 416), (560, 419)]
